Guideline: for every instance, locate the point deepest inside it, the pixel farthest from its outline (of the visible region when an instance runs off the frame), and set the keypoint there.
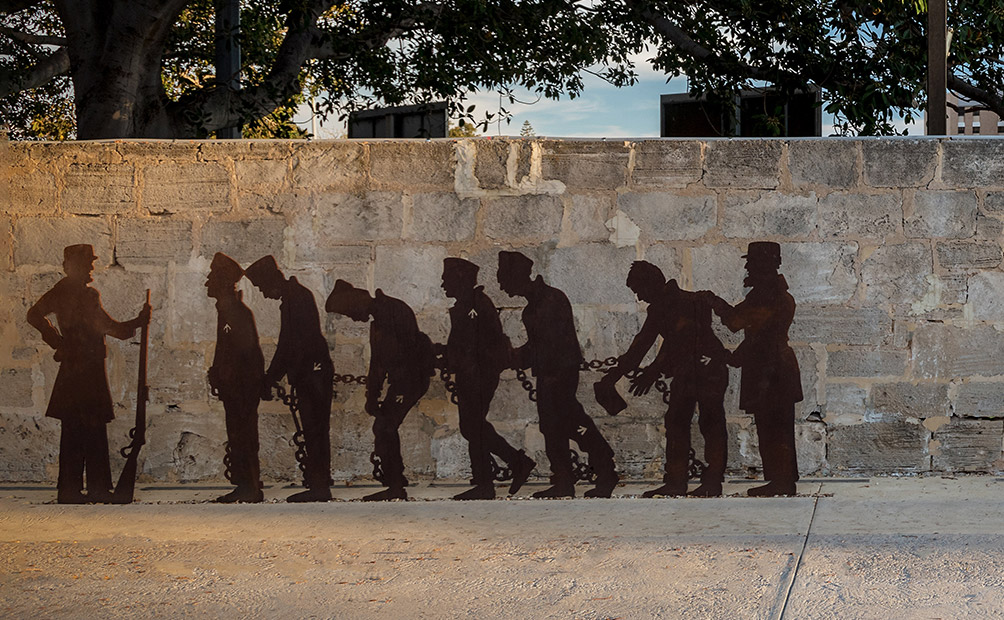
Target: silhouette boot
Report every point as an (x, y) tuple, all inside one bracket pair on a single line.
[(521, 471)]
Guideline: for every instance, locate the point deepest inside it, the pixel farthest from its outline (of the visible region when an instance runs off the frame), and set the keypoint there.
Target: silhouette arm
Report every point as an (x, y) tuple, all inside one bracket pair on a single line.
[(631, 359), (37, 318)]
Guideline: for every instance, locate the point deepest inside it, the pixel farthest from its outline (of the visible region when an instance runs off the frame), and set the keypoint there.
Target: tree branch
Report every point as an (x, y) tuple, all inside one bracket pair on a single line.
[(32, 39), (993, 101), (13, 6), (13, 82), (374, 37)]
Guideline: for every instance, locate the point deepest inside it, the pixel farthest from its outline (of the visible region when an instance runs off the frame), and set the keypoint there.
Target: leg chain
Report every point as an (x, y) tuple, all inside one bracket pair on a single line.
[(299, 440), (581, 469)]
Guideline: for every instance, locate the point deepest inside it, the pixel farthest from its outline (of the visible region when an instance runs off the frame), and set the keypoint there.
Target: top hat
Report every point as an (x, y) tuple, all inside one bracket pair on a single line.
[(79, 252), (226, 268), (767, 252), (261, 269)]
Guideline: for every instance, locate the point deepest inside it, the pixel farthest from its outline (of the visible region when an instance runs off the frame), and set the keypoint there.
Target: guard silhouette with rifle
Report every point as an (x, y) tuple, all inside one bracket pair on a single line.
[(552, 352), (302, 356), (694, 358), (80, 398), (476, 353), (401, 363)]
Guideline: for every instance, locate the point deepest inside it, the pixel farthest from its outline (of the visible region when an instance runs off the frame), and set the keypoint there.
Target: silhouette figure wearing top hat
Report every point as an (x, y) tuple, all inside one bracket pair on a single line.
[(236, 377), (693, 356), (80, 397), (401, 360), (477, 351), (302, 356), (771, 383), (552, 352)]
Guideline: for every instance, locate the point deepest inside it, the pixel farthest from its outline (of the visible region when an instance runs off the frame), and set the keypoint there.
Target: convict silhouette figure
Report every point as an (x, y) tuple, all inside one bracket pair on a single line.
[(694, 358), (477, 351), (236, 377), (771, 384), (552, 352), (401, 363), (80, 397), (302, 356)]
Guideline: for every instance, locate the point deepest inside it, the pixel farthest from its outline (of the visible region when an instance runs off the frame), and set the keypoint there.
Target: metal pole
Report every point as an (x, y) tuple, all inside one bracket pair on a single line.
[(228, 53), (937, 67)]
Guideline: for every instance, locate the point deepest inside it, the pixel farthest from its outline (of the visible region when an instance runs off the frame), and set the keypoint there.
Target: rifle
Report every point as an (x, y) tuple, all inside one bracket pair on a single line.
[(126, 486)]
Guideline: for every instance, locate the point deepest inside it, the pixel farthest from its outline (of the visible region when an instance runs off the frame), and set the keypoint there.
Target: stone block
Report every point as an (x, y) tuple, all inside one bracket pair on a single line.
[(6, 243), (177, 376), (153, 242), (754, 215), (810, 446), (670, 163), (29, 448), (123, 293), (860, 215), (269, 173), (838, 325), (17, 385), (967, 256), (892, 445), (986, 296), (844, 399), (518, 218), (585, 164), (97, 189), (720, 269), (808, 370), (897, 273), (492, 163), (668, 217), (190, 315), (994, 202), (668, 258), (413, 274), (976, 163), (915, 400), (867, 362), (968, 445), (412, 164), (942, 214), (375, 216), (443, 217), (585, 217), (820, 273), (245, 241), (988, 228), (29, 192), (40, 241), (952, 352), (743, 164), (170, 187), (186, 445), (899, 163), (825, 163), (329, 164), (605, 333), (980, 399), (592, 273), (449, 452), (640, 448)]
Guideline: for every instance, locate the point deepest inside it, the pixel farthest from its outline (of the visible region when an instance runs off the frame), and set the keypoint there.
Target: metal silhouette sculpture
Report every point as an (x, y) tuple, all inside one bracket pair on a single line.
[(401, 363), (553, 354), (476, 353), (236, 377), (301, 356), (126, 487), (771, 383), (695, 359), (80, 397)]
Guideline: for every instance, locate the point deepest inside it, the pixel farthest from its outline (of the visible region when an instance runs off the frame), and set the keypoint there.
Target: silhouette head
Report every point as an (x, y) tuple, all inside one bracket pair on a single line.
[(78, 262), (763, 258), (646, 280), (224, 274), (459, 275), (265, 274), (347, 300), (514, 273)]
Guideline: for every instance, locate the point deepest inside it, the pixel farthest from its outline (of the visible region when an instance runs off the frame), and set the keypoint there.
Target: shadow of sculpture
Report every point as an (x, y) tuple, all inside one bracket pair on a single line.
[(80, 397), (401, 363), (552, 352), (302, 356)]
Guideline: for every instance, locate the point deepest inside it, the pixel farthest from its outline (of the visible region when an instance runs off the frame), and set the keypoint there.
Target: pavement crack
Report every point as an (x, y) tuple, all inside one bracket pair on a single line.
[(801, 554)]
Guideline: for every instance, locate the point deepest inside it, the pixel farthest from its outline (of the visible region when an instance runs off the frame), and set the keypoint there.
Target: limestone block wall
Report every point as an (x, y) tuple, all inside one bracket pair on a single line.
[(892, 249)]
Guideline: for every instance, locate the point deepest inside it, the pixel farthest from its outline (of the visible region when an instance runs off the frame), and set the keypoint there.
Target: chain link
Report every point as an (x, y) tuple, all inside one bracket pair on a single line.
[(298, 440), (349, 379), (227, 463), (378, 474), (527, 384), (581, 469)]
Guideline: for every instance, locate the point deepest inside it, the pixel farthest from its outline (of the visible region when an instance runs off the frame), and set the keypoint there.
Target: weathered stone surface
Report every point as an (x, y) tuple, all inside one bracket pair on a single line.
[(585, 164), (153, 242), (29, 447), (350, 218), (968, 445), (988, 228), (820, 273), (742, 163), (845, 399), (719, 268), (897, 273), (177, 376), (809, 372), (185, 445), (986, 296), (29, 192), (892, 445), (170, 187), (980, 399), (123, 293), (523, 217), (942, 214), (40, 241), (585, 217), (605, 333), (412, 274), (915, 400), (245, 241), (329, 164), (810, 446), (867, 362), (751, 215), (190, 301), (17, 386), (972, 162), (828, 163), (899, 162), (430, 214), (96, 189), (663, 216), (860, 215), (994, 202), (837, 325), (270, 173), (6, 243), (967, 256), (948, 352), (592, 273), (491, 165), (666, 163), (667, 258), (412, 164)]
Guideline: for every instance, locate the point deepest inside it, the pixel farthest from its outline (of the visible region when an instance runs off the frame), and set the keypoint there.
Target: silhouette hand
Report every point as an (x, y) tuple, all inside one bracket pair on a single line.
[(641, 384), (144, 315), (266, 390)]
